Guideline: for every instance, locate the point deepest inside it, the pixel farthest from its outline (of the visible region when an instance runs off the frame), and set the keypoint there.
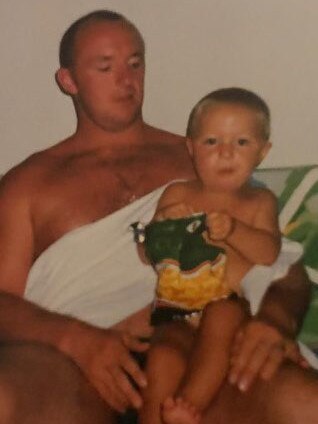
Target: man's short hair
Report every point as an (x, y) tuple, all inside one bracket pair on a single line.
[(66, 52), (232, 95)]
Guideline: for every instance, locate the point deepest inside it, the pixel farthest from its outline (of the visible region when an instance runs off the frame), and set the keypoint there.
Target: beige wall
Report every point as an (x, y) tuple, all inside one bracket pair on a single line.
[(194, 46)]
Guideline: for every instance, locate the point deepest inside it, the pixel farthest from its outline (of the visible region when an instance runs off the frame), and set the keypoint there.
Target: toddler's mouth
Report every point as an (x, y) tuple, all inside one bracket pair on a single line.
[(226, 170)]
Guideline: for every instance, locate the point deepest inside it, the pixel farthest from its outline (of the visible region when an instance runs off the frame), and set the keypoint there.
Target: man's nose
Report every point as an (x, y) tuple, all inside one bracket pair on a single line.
[(124, 76)]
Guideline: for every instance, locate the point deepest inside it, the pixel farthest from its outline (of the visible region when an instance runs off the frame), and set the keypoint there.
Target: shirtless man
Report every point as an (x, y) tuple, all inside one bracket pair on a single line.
[(68, 366)]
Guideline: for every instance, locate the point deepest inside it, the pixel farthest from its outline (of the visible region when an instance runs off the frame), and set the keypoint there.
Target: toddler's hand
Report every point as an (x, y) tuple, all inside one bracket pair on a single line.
[(178, 210), (220, 225)]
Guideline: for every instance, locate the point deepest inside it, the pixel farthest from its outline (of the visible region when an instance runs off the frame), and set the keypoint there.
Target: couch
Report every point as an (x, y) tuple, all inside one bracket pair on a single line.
[(297, 192)]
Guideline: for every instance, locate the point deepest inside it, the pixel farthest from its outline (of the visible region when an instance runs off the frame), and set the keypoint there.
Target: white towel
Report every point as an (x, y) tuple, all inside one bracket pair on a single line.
[(258, 279), (94, 273)]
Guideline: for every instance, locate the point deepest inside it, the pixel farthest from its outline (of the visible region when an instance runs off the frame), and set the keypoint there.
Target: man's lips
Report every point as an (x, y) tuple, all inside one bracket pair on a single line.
[(125, 97)]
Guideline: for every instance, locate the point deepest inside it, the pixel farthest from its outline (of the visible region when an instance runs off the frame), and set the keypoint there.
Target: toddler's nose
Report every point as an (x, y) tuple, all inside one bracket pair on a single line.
[(225, 150)]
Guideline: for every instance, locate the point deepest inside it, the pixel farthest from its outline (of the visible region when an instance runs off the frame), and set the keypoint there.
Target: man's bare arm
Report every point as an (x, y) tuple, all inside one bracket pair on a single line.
[(16, 232), (286, 301), (103, 355), (268, 338)]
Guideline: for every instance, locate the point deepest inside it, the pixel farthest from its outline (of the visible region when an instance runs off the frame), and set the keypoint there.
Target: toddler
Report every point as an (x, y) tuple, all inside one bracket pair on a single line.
[(233, 225)]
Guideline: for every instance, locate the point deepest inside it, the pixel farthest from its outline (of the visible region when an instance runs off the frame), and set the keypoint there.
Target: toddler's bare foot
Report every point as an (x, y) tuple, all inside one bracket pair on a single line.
[(179, 411)]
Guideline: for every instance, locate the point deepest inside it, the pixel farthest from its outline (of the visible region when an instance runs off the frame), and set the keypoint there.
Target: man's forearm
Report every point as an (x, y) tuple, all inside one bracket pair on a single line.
[(266, 340), (102, 355), (286, 301), (23, 320)]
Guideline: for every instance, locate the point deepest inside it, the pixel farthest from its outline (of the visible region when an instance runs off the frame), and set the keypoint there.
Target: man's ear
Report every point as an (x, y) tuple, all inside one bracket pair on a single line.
[(263, 153), (65, 81), (189, 143)]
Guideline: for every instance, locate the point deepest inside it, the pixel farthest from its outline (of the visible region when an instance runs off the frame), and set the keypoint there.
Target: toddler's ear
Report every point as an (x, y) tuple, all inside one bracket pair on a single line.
[(189, 143), (263, 153)]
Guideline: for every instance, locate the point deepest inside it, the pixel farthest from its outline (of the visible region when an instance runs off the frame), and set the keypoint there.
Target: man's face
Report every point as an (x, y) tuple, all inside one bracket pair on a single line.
[(108, 75), (227, 146)]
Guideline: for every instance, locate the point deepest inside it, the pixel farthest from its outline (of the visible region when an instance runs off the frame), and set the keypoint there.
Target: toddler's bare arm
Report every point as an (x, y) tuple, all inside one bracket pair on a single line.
[(259, 242)]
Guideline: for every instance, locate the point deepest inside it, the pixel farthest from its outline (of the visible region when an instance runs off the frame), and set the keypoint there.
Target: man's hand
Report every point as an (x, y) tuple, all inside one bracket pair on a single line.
[(220, 226), (258, 351), (104, 357)]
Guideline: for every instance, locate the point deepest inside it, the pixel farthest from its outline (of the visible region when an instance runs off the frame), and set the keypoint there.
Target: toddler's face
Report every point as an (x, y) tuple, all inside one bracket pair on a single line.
[(227, 146)]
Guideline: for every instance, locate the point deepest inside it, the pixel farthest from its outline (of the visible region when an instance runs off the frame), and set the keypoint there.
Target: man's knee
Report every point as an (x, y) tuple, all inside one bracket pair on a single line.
[(290, 397), (40, 384), (295, 382), (7, 404)]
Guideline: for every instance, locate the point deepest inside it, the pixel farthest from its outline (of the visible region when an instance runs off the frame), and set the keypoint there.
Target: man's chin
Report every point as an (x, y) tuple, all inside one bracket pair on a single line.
[(122, 123)]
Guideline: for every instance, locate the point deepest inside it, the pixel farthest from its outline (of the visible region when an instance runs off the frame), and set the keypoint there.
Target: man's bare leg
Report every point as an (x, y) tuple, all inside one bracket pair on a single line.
[(39, 385), (289, 398)]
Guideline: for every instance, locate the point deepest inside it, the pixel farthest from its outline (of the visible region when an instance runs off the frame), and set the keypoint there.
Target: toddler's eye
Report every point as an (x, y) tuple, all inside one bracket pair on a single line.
[(242, 141), (211, 141)]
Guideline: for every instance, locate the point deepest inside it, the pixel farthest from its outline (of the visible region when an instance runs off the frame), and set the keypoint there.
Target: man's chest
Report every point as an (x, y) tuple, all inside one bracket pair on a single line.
[(75, 197)]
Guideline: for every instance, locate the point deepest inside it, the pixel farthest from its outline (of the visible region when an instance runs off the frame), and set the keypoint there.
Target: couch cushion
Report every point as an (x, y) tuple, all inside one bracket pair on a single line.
[(298, 204)]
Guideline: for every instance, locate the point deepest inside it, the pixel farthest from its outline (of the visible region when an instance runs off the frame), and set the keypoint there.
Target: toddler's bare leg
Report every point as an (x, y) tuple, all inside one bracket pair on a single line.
[(209, 361), (166, 363)]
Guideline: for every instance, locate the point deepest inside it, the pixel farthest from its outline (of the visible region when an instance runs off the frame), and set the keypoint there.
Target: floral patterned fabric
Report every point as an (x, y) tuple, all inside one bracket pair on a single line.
[(299, 221)]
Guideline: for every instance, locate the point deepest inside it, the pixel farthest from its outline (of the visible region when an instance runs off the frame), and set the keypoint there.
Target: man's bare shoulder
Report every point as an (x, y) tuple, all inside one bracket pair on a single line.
[(20, 191), (26, 178), (164, 137), (172, 148), (27, 173)]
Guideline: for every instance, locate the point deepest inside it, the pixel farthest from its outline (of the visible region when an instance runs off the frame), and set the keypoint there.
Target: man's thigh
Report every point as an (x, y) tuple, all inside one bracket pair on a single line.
[(40, 385), (289, 398)]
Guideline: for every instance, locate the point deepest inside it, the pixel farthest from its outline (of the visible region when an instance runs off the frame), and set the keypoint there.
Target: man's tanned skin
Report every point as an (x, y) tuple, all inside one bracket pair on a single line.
[(113, 158)]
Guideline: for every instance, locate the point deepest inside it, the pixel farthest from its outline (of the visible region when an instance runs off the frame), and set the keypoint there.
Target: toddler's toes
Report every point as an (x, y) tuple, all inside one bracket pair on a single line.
[(180, 411), (169, 403)]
